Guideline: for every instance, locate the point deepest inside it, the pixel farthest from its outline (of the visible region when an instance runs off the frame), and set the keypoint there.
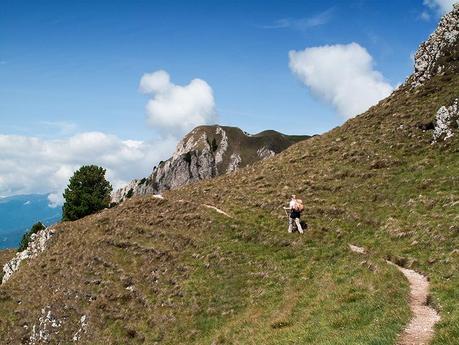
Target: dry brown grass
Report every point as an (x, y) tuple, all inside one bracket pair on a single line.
[(197, 277)]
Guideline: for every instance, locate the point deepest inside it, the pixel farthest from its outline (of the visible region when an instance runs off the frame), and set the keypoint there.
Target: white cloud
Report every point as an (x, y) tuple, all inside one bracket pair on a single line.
[(425, 16), (55, 200), (32, 164), (440, 6), (35, 165), (302, 24), (175, 109), (341, 75)]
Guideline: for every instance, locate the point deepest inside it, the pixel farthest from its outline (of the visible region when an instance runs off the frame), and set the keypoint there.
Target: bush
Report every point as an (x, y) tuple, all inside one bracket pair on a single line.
[(26, 237), (87, 192), (187, 157), (214, 145)]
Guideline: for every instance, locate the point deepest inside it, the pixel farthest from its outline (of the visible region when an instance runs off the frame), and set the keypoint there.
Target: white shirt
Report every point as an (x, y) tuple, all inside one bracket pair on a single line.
[(293, 204)]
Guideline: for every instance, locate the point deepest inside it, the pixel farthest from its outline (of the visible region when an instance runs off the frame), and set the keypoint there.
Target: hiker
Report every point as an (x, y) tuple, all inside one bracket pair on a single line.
[(295, 208)]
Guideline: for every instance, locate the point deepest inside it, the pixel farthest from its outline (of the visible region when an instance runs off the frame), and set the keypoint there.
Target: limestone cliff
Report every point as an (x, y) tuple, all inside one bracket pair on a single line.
[(436, 54), (206, 152)]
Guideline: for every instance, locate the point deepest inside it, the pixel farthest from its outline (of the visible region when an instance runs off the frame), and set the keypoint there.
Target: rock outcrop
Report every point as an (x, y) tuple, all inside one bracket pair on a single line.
[(446, 122), (36, 245), (434, 55), (206, 152), (47, 326)]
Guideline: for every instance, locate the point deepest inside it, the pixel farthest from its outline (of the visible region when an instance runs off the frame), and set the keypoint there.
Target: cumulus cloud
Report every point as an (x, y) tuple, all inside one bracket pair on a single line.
[(340, 75), (440, 6), (32, 164), (36, 165), (175, 109)]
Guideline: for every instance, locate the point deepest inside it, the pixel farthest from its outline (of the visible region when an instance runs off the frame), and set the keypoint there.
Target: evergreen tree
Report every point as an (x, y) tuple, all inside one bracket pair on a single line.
[(87, 192)]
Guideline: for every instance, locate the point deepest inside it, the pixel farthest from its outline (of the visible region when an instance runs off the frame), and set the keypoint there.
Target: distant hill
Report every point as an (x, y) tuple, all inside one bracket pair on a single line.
[(207, 152), (19, 212)]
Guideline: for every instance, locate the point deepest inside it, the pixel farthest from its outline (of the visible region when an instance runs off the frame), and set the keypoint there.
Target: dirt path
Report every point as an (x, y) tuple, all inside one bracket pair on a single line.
[(420, 329), (218, 210)]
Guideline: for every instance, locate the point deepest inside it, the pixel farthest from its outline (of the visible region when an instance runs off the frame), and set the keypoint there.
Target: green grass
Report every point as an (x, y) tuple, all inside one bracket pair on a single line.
[(199, 277)]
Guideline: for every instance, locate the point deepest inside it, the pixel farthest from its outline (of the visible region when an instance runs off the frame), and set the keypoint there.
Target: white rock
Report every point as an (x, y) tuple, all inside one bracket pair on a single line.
[(222, 146), (235, 162), (428, 53), (47, 325), (446, 120), (265, 153), (82, 329), (36, 245)]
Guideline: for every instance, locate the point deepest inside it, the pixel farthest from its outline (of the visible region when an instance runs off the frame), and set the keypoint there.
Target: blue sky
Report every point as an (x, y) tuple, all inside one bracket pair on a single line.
[(81, 62), (69, 67)]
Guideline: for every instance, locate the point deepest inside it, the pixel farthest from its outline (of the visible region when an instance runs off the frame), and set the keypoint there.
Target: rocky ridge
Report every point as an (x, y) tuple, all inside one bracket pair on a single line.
[(207, 152), (36, 245), (433, 55)]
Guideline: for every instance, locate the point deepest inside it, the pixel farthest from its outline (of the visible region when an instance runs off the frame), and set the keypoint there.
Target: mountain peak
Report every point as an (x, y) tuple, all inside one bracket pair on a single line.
[(206, 152), (435, 55)]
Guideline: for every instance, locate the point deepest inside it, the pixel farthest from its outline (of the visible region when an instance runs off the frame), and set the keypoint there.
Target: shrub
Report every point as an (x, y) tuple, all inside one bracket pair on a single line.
[(130, 193), (26, 237), (214, 145), (187, 157), (87, 192)]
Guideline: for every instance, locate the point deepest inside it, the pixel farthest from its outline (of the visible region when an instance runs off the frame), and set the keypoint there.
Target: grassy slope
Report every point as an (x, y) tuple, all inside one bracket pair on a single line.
[(200, 277)]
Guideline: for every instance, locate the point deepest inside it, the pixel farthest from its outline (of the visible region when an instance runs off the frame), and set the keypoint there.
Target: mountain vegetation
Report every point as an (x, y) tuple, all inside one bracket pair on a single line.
[(87, 192), (26, 237), (212, 262)]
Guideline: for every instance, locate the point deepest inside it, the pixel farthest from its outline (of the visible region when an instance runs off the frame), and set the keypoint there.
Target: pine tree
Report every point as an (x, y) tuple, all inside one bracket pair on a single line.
[(87, 192)]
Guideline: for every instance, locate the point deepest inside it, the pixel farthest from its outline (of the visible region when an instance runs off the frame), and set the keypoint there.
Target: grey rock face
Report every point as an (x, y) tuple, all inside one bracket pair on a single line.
[(204, 153), (446, 122), (36, 245), (235, 162), (428, 56), (264, 153)]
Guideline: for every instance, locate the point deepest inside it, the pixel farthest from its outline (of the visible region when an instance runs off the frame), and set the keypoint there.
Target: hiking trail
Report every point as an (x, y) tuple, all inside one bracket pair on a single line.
[(159, 196), (217, 210), (420, 330)]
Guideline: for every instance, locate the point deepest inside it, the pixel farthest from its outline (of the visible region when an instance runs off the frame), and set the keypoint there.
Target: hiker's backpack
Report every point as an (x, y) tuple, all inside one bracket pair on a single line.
[(300, 205)]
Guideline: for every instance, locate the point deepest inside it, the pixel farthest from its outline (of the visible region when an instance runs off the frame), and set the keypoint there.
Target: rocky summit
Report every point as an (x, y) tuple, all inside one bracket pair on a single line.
[(434, 55), (207, 152)]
